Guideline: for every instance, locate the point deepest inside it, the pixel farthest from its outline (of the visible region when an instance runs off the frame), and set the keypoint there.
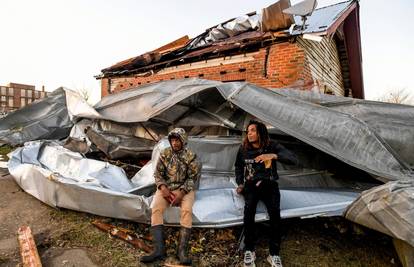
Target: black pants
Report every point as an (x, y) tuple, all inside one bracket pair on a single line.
[(268, 192)]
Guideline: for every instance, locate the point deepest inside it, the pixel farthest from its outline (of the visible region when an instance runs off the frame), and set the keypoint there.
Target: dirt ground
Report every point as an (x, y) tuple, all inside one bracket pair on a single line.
[(67, 238)]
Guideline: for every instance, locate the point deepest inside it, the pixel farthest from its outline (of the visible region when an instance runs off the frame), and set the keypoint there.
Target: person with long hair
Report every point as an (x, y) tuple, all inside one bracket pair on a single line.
[(256, 177)]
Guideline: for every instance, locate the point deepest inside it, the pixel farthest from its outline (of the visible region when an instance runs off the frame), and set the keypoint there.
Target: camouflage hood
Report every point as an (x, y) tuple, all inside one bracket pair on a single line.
[(178, 170), (180, 133)]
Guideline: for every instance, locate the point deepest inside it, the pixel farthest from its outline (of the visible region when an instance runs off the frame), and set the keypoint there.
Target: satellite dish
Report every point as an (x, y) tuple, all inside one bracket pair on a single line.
[(303, 9)]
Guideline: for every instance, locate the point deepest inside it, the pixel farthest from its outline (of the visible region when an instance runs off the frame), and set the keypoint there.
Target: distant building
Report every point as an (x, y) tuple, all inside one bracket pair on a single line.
[(15, 95)]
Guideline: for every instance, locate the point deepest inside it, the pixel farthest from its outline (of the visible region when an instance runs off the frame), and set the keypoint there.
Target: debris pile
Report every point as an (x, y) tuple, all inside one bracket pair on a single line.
[(344, 145)]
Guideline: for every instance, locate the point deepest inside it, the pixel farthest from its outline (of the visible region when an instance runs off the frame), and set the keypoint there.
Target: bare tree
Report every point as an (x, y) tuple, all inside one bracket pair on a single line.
[(397, 96)]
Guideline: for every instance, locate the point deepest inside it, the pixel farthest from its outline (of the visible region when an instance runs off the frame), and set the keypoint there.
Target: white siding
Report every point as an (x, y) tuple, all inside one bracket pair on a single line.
[(324, 64)]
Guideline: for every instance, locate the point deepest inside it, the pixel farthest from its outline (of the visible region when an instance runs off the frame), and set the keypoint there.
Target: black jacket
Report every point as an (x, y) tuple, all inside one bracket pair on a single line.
[(247, 169)]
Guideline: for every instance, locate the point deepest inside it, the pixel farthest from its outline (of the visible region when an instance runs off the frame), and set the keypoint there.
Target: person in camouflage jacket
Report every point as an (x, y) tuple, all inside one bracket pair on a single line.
[(176, 174), (177, 169)]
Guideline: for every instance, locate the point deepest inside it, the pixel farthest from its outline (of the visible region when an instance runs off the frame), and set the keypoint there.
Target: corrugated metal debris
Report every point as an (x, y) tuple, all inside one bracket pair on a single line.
[(356, 138)]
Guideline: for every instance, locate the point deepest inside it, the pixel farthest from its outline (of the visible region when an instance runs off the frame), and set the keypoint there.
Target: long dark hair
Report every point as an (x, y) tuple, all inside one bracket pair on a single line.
[(262, 133)]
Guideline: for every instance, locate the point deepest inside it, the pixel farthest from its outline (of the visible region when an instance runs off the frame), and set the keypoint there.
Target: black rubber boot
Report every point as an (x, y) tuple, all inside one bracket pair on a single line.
[(158, 242), (185, 234)]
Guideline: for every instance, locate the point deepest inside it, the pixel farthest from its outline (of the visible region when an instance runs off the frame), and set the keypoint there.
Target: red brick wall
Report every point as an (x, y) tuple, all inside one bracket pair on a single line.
[(104, 87), (286, 67)]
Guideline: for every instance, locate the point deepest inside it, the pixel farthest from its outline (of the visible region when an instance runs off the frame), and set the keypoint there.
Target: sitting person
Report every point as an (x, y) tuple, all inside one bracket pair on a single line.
[(176, 172), (256, 176)]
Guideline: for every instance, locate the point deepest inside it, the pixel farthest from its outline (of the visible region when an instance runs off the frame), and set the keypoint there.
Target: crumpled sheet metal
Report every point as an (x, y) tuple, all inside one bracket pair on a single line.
[(388, 208), (43, 119), (78, 107), (217, 204), (149, 100), (339, 134), (117, 146), (115, 140), (49, 118), (61, 178), (66, 179), (396, 128), (228, 29)]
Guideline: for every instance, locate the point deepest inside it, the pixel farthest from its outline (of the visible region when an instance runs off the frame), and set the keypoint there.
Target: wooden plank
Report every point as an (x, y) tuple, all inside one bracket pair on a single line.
[(123, 234), (28, 249)]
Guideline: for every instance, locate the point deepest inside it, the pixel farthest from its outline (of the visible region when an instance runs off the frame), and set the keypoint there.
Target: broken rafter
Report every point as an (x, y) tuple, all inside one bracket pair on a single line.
[(123, 234), (208, 52)]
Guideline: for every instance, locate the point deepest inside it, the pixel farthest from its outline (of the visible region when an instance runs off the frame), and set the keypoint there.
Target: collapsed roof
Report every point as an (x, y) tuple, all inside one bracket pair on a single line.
[(370, 136), (242, 34), (349, 129)]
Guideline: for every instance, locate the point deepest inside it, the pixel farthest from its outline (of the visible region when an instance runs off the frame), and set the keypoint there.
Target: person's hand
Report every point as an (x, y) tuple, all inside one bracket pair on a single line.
[(239, 189), (165, 192), (178, 198), (265, 157)]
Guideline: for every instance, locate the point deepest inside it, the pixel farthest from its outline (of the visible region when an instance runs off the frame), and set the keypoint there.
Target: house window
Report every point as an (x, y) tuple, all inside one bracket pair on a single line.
[(3, 98), (29, 101), (22, 102), (22, 92), (36, 94), (29, 93), (11, 91), (11, 102), (3, 91)]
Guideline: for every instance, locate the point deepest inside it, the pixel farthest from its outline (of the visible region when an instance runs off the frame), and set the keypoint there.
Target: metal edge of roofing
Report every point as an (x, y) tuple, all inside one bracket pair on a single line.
[(336, 20)]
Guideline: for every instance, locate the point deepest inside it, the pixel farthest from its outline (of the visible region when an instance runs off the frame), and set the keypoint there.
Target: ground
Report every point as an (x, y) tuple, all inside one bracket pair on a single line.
[(67, 238)]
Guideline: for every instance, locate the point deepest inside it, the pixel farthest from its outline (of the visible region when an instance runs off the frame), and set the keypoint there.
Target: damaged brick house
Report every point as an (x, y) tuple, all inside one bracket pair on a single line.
[(263, 49)]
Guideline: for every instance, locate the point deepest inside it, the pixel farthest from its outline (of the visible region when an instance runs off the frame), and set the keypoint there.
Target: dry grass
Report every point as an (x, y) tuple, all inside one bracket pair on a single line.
[(311, 242), (77, 231), (4, 150)]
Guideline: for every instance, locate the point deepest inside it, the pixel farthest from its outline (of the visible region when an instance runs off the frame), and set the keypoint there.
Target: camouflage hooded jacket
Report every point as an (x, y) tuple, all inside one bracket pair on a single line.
[(178, 170)]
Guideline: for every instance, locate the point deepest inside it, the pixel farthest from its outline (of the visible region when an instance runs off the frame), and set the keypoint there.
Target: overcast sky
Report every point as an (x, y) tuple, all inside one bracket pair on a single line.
[(65, 43)]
